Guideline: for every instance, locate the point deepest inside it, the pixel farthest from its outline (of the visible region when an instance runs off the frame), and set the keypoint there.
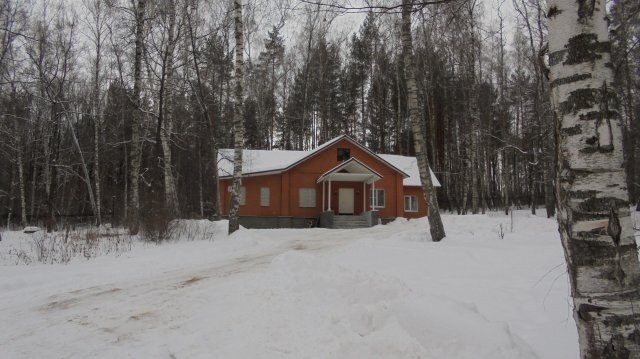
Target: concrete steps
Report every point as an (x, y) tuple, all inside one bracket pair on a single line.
[(349, 222)]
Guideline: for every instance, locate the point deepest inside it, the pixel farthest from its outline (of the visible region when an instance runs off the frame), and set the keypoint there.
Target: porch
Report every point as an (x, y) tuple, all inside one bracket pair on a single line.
[(345, 202)]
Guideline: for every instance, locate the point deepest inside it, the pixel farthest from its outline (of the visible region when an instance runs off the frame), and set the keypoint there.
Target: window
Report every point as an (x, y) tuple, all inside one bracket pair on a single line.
[(343, 154), (243, 194), (265, 194), (378, 199), (410, 203), (307, 197)]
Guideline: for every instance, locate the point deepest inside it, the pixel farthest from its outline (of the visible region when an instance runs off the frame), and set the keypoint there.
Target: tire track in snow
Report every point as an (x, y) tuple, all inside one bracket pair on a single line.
[(122, 310)]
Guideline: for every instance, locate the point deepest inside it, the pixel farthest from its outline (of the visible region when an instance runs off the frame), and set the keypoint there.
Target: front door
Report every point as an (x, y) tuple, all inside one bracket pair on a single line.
[(345, 200)]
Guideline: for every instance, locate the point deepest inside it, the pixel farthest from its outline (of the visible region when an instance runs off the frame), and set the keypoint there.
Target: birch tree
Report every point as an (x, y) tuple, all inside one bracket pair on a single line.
[(97, 25), (238, 123), (593, 207), (435, 222), (166, 101), (133, 217)]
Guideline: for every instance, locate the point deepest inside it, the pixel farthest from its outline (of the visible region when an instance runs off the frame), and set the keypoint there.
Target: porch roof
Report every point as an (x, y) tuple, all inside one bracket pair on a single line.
[(351, 170)]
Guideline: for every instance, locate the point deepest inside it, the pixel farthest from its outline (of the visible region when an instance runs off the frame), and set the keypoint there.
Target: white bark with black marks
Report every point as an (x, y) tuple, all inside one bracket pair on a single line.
[(238, 120), (170, 191), (133, 216), (435, 222), (593, 208)]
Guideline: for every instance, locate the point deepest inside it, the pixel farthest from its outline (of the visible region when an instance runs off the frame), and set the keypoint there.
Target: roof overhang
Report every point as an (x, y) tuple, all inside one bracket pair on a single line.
[(351, 170)]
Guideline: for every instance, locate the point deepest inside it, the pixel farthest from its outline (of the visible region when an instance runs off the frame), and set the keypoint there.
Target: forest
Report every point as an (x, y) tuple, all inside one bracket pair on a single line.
[(94, 91)]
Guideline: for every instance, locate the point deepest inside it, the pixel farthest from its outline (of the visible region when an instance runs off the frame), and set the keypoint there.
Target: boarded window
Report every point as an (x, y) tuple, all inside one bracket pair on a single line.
[(377, 197), (265, 194), (410, 203), (307, 197), (343, 154)]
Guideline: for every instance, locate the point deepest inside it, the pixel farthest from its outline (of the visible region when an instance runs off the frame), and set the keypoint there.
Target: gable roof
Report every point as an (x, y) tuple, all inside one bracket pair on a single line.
[(264, 162), (352, 164)]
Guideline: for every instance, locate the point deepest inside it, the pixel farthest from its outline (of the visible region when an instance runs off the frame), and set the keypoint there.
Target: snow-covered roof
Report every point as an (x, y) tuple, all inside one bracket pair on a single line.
[(410, 166), (262, 162), (258, 161)]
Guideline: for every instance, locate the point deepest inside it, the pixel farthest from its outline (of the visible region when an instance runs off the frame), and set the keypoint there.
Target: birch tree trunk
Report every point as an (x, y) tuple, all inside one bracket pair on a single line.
[(23, 198), (593, 208), (170, 192), (97, 115), (435, 222), (96, 139), (506, 181), (19, 161), (133, 217), (238, 123)]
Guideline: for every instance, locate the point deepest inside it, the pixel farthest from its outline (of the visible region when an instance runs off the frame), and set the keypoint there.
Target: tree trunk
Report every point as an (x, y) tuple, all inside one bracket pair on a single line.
[(548, 191), (20, 133), (210, 123), (34, 178), (475, 196), (23, 197), (170, 192), (83, 164), (593, 208), (238, 123), (96, 127), (435, 222), (133, 217)]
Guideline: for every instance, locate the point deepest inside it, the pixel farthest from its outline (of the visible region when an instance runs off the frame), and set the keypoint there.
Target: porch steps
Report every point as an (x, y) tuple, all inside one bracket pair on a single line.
[(348, 222)]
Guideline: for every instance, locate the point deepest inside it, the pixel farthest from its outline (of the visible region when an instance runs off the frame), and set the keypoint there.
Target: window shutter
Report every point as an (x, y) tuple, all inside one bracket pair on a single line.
[(265, 194)]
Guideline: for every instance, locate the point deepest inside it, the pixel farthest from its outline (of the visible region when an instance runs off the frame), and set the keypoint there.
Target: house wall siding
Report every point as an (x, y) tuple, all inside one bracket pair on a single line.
[(422, 204), (328, 158), (252, 203)]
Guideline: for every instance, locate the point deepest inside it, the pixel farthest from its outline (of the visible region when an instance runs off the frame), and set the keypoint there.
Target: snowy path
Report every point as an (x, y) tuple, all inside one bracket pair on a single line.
[(380, 292)]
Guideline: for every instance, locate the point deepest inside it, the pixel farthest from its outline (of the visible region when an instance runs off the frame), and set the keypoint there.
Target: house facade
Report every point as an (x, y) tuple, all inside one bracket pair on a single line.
[(340, 177)]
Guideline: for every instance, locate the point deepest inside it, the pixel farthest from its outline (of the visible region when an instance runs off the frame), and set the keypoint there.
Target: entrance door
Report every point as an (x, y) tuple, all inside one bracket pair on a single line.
[(345, 200)]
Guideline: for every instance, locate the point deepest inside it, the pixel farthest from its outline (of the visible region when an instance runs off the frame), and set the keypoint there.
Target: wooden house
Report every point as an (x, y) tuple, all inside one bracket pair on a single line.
[(339, 184)]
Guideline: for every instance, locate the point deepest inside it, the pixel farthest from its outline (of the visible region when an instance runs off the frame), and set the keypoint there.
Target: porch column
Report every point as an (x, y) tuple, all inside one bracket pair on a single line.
[(364, 196), (323, 196), (373, 194), (329, 193)]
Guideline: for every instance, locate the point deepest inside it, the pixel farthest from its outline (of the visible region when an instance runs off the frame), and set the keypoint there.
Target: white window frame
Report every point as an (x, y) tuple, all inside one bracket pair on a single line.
[(311, 198), (405, 203), (371, 198), (265, 196)]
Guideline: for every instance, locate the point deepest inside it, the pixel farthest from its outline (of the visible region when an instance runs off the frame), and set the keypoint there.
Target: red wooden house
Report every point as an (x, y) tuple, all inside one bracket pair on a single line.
[(340, 183)]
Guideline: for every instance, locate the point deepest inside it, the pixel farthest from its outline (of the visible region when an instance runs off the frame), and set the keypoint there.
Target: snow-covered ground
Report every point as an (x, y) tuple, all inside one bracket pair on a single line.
[(382, 292)]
